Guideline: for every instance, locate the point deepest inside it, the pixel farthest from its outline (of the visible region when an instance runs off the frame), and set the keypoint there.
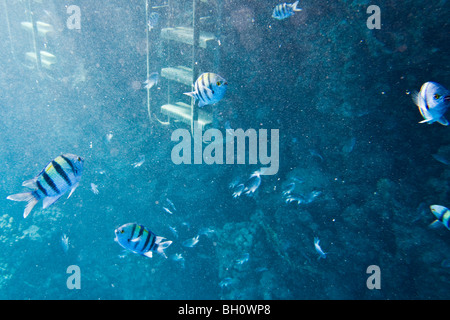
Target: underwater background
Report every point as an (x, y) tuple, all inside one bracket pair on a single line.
[(338, 92)]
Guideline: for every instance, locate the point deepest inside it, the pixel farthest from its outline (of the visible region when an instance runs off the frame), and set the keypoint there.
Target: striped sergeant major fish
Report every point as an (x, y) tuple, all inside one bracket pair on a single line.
[(433, 101), (138, 239), (208, 89), (285, 10), (59, 176), (442, 215)]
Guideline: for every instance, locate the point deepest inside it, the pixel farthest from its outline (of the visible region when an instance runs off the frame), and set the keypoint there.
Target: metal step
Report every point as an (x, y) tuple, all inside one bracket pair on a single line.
[(47, 59), (179, 74), (42, 27), (186, 35), (182, 112)]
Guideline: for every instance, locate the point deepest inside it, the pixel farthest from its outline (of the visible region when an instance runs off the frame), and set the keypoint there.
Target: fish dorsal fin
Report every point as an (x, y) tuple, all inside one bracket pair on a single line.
[(30, 184), (417, 98), (48, 201), (191, 94)]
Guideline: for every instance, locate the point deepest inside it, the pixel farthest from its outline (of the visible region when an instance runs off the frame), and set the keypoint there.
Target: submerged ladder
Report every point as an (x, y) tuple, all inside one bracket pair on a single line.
[(38, 56), (191, 45)]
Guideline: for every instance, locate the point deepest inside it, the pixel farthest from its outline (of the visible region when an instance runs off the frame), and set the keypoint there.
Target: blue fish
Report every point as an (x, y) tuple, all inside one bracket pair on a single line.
[(59, 176), (138, 239), (285, 10), (433, 101), (209, 89), (65, 242), (153, 20), (319, 249), (442, 215), (152, 80)]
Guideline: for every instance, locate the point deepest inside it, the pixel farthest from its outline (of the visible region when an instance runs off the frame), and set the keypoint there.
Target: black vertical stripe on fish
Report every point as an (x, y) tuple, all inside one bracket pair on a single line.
[(199, 92), (50, 182), (146, 242), (141, 230), (61, 172), (41, 188), (205, 85), (210, 84), (153, 243), (70, 164), (132, 232)]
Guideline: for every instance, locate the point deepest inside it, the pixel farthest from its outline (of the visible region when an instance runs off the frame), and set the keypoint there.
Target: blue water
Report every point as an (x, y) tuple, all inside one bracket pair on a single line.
[(340, 96)]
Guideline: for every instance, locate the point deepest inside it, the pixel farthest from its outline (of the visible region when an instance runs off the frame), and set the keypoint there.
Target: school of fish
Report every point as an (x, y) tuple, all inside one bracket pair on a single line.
[(63, 174)]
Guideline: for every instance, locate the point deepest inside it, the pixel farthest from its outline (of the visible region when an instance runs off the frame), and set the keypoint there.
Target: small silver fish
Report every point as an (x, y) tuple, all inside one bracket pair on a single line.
[(226, 282), (294, 198), (319, 249), (207, 231), (433, 101), (314, 194), (65, 242), (140, 162), (171, 204), (174, 231), (243, 259), (189, 243), (253, 183), (238, 190), (235, 182), (167, 210), (153, 20), (178, 258), (289, 188), (94, 188), (152, 80), (108, 137)]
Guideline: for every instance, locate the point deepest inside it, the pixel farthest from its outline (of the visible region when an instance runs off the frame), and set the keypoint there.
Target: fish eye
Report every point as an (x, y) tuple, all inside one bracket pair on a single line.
[(121, 231), (437, 96), (218, 83), (79, 159)]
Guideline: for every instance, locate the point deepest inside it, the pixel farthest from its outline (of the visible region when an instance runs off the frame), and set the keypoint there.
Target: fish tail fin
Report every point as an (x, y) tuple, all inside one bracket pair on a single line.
[(27, 196), (294, 6), (191, 94), (162, 246)]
